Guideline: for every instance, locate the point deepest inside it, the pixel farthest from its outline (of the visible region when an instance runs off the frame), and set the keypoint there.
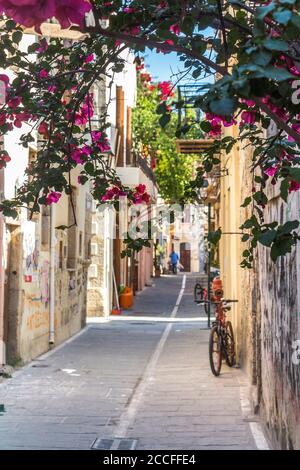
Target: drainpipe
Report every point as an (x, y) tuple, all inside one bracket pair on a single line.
[(2, 344), (52, 276), (208, 266)]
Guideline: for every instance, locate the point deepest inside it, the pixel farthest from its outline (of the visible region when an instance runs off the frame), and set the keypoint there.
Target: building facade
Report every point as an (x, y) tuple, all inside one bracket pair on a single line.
[(266, 318)]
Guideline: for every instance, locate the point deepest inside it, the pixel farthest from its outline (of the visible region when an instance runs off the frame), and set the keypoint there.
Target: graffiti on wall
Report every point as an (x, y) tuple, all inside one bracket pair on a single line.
[(36, 270)]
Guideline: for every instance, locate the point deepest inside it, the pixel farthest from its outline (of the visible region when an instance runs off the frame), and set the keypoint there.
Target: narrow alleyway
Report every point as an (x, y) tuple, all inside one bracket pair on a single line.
[(145, 378)]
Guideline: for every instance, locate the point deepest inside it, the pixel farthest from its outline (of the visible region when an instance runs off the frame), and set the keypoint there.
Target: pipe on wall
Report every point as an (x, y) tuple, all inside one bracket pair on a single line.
[(52, 276)]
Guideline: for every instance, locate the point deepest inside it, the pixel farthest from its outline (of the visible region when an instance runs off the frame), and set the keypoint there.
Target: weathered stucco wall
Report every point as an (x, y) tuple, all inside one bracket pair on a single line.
[(27, 296), (279, 286)]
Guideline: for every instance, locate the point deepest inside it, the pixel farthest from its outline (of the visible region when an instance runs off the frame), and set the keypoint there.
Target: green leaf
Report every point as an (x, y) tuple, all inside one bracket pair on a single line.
[(196, 73), (295, 174), (214, 237), (161, 108), (246, 201), (10, 25), (262, 57), (288, 227), (262, 12), (89, 168), (260, 198), (275, 253), (282, 16), (277, 73), (224, 106), (275, 45), (205, 126), (17, 36), (296, 20), (284, 189), (164, 120), (245, 237), (267, 237)]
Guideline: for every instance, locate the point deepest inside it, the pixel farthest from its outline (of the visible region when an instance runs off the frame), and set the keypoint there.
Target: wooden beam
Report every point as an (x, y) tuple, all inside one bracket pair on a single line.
[(120, 122), (129, 136)]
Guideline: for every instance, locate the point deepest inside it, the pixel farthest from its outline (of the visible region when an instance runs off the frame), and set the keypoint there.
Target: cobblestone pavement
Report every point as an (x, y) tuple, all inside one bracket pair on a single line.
[(146, 380)]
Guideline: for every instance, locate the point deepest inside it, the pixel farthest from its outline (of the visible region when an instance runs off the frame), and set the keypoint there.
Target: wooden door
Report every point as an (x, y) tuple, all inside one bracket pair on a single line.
[(185, 256)]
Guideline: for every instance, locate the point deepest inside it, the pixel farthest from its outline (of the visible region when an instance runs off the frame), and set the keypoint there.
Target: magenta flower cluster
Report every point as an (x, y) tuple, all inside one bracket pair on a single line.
[(32, 13)]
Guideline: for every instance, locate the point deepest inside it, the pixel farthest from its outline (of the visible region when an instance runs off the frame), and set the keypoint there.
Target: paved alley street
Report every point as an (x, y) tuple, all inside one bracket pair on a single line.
[(142, 378)]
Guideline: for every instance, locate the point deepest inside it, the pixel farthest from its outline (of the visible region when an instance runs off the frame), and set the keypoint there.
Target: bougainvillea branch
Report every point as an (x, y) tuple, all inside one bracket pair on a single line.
[(253, 50)]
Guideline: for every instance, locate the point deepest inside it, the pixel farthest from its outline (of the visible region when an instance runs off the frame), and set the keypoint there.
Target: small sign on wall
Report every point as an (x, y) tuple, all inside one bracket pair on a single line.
[(2, 92), (28, 278)]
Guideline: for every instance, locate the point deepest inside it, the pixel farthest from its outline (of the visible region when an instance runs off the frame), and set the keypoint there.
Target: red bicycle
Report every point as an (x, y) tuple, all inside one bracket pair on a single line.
[(221, 340)]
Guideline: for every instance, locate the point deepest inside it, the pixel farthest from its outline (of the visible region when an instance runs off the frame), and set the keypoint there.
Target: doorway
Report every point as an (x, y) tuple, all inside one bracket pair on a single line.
[(185, 256)]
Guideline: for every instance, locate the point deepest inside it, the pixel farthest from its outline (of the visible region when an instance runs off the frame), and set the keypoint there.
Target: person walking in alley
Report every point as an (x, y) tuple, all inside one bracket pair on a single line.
[(174, 260)]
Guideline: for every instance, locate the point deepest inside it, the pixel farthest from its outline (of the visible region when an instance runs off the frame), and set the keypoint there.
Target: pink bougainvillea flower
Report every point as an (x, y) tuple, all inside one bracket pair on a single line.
[(140, 189), (24, 116), (271, 171), (216, 123), (69, 12), (248, 117), (249, 103), (43, 129), (175, 28), (28, 12), (52, 198), (294, 186), (86, 150), (85, 112), (96, 135), (109, 195), (13, 103), (103, 146), (229, 123), (52, 88), (89, 58), (101, 141), (4, 78), (146, 198), (18, 123), (166, 90), (135, 30), (77, 156), (43, 74), (3, 118), (162, 5), (129, 10), (43, 46)]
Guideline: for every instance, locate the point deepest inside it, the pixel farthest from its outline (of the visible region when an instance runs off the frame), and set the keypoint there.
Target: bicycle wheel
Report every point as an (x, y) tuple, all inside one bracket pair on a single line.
[(229, 344), (215, 351)]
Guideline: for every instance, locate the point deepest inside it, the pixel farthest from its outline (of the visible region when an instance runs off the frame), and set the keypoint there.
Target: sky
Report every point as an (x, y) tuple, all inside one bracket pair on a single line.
[(162, 66)]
